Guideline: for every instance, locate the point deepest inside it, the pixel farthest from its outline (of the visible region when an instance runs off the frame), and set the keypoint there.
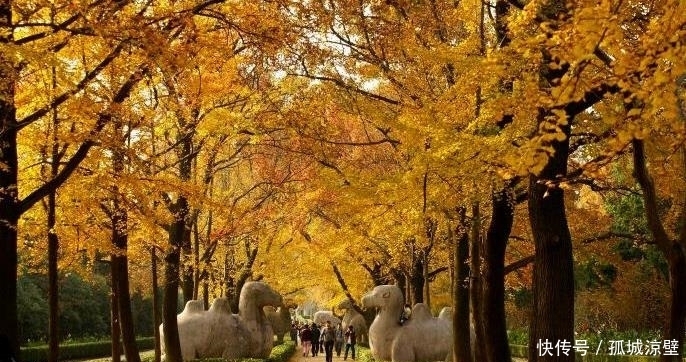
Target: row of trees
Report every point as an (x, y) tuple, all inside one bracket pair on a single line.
[(371, 142)]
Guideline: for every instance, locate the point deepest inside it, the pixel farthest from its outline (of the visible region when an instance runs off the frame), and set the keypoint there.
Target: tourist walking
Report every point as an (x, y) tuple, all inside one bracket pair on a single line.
[(306, 340), (327, 339), (349, 342), (338, 339), (316, 333)]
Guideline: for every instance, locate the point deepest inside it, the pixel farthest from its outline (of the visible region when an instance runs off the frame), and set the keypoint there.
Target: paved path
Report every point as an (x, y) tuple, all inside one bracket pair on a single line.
[(298, 357)]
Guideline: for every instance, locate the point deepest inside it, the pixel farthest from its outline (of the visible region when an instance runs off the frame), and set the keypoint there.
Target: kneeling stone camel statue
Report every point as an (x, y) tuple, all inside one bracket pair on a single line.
[(421, 338), (219, 333)]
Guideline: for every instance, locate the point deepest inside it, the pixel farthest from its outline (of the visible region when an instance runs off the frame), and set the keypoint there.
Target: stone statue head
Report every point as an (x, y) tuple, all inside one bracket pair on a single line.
[(259, 294), (383, 296)]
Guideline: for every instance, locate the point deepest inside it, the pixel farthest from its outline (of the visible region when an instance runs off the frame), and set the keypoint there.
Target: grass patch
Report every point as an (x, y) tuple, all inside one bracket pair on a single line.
[(74, 351)]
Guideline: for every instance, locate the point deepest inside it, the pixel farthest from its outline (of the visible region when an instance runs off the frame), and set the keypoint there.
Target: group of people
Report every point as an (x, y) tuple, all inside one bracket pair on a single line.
[(313, 339)]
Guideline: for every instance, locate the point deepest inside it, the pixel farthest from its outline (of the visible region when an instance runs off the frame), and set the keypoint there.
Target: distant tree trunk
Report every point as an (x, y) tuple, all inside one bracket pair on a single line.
[(156, 319), (427, 282), (188, 274), (417, 279), (119, 261), (196, 259), (171, 281), (245, 274), (178, 231), (497, 347), (116, 346), (673, 250), (401, 280), (206, 294), (553, 279), (462, 351), (53, 284), (475, 288), (53, 240), (120, 275)]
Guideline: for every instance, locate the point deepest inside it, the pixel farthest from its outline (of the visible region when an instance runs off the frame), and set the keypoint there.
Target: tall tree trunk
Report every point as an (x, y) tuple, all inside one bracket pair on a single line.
[(171, 281), (475, 290), (673, 250), (120, 268), (552, 318), (674, 328), (462, 351), (114, 323), (178, 230), (497, 347), (119, 263), (53, 283), (156, 319), (9, 202), (53, 240)]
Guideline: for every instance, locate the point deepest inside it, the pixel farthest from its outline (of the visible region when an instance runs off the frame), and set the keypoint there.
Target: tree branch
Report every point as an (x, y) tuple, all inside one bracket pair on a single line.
[(81, 153), (644, 179), (519, 264), (344, 286), (79, 87)]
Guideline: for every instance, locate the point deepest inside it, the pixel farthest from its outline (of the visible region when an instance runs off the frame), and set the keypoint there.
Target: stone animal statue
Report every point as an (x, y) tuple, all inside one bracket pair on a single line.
[(280, 319), (213, 333), (352, 317), (421, 338), (323, 316), (254, 297), (219, 333)]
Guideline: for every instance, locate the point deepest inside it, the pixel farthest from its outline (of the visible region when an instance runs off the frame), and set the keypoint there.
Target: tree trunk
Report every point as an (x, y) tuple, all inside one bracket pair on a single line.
[(188, 274), (9, 202), (417, 280), (119, 263), (401, 281), (427, 282), (120, 268), (114, 317), (497, 347), (475, 289), (156, 320), (53, 283), (196, 258), (672, 250), (553, 280), (675, 327), (171, 282), (462, 351)]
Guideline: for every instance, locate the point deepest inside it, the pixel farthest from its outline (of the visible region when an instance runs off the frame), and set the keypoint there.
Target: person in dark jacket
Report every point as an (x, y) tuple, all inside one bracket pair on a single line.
[(316, 333), (306, 340), (350, 339)]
